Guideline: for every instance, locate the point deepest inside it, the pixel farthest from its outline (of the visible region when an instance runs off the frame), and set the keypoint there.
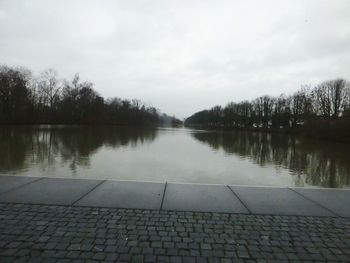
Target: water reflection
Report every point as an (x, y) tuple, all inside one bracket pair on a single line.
[(21, 147), (314, 163), (176, 155)]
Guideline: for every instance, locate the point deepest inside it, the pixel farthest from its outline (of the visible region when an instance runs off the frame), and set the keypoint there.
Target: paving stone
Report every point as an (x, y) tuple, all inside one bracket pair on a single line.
[(336, 200), (196, 236), (125, 194), (8, 183), (194, 197), (50, 191), (278, 201)]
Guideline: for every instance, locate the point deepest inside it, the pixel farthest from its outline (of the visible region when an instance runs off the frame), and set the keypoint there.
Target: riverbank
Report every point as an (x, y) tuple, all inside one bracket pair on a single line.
[(323, 130)]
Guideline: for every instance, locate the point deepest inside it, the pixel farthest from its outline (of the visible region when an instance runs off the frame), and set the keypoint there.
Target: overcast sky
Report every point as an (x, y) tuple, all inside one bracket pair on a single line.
[(181, 56)]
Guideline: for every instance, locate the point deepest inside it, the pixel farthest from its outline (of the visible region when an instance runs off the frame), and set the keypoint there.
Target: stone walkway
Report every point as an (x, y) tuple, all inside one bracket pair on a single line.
[(78, 220), (50, 233)]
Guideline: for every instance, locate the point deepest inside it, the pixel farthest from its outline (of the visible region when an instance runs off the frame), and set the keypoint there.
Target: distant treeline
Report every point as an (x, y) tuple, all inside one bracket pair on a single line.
[(322, 111), (28, 99)]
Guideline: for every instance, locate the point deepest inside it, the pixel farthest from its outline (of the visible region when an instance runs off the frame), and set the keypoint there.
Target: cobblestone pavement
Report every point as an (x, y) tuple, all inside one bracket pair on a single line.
[(41, 233)]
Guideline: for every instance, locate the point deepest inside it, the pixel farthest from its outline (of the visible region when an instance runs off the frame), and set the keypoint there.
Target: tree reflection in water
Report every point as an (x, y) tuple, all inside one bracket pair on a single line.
[(316, 163), (62, 150), (24, 145)]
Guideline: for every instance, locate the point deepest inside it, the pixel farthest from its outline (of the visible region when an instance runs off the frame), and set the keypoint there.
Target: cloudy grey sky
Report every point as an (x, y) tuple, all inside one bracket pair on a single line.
[(185, 55)]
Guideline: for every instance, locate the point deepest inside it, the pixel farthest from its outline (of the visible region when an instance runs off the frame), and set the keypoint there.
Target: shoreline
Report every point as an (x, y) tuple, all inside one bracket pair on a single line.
[(300, 132)]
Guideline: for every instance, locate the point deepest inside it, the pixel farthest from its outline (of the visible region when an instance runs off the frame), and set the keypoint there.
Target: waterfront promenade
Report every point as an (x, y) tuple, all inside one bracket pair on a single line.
[(78, 220)]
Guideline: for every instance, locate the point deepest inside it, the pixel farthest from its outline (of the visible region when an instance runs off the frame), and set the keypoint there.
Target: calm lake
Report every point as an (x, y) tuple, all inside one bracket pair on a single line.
[(173, 155)]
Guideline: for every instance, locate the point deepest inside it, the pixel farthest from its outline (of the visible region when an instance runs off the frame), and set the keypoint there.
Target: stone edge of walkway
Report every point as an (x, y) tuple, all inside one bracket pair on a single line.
[(159, 197)]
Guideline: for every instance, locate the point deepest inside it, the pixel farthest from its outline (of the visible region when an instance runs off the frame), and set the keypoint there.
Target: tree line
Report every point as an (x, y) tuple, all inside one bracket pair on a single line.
[(29, 99), (326, 103)]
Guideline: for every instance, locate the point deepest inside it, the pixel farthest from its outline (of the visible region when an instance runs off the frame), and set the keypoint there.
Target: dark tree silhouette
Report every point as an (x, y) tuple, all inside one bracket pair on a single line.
[(323, 111), (14, 95), (25, 99)]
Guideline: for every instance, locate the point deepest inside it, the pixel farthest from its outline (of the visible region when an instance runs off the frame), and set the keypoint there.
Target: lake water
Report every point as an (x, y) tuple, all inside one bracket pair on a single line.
[(173, 155)]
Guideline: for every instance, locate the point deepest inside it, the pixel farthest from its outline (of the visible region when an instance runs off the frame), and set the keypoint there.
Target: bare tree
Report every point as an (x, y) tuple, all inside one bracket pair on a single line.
[(331, 97), (301, 105), (13, 93), (49, 89)]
